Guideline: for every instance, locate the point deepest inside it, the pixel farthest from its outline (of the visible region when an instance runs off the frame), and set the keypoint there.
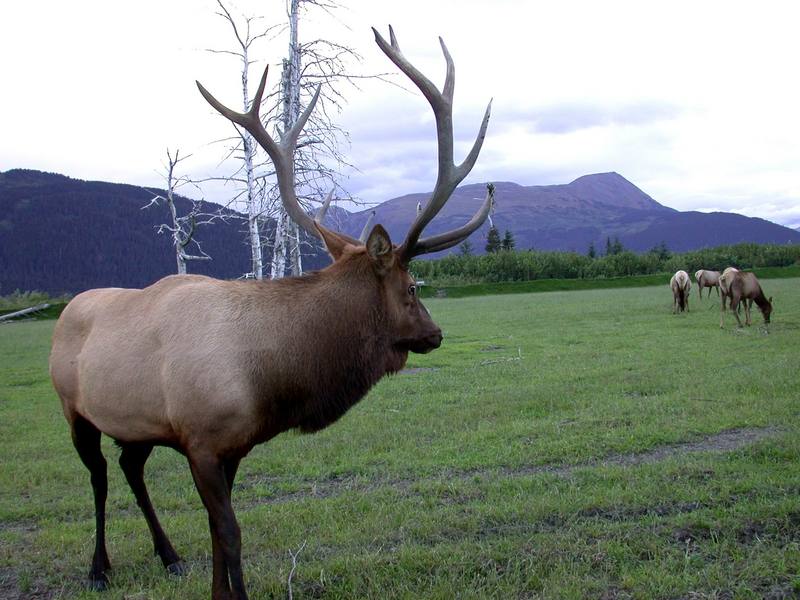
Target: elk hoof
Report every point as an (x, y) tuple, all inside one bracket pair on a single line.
[(178, 569), (98, 583)]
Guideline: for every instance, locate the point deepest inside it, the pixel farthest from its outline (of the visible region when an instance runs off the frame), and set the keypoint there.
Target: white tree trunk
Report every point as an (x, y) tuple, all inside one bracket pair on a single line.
[(291, 112), (297, 257), (177, 242), (253, 204), (253, 210), (279, 248)]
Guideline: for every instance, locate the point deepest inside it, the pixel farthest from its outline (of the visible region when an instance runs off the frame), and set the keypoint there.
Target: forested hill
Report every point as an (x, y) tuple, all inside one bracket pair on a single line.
[(63, 235)]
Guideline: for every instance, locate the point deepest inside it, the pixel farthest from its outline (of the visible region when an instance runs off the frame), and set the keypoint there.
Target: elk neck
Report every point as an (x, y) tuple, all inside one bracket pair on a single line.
[(337, 345)]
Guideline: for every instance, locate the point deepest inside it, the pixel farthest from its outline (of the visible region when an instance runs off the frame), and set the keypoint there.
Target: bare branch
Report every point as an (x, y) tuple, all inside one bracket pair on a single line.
[(294, 556)]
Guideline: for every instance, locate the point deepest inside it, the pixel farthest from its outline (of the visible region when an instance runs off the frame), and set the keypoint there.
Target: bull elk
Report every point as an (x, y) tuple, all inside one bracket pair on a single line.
[(125, 364), (680, 284)]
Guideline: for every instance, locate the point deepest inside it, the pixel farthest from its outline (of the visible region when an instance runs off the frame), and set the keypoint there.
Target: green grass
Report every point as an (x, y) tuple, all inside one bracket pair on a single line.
[(561, 285), (496, 470)]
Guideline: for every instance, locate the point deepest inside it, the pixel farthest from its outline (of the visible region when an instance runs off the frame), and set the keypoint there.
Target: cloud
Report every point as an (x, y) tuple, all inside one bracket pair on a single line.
[(571, 116)]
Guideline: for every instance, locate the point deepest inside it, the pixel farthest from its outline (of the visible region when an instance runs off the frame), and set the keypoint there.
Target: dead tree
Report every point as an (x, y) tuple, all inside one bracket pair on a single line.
[(182, 228)]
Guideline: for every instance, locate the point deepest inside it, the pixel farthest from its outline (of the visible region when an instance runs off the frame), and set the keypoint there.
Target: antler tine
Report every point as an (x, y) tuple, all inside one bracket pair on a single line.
[(367, 228), (449, 174), (323, 210), (443, 241), (281, 154)]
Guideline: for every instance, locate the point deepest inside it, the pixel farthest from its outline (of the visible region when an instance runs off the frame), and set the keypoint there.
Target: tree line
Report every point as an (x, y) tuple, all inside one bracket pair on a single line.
[(526, 265)]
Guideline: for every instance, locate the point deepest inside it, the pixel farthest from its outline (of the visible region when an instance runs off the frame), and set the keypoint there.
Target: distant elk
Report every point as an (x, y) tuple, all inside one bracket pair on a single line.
[(745, 288), (211, 368), (725, 293), (680, 284), (706, 279)]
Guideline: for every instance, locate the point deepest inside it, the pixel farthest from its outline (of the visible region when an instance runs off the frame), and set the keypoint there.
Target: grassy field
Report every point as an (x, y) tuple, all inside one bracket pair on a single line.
[(584, 444)]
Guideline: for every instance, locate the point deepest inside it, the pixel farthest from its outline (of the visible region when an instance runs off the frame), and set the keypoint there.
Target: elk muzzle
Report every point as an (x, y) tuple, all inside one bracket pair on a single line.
[(426, 343)]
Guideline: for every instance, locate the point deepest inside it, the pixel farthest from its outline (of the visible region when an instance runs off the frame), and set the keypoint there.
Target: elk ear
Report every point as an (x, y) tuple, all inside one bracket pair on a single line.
[(333, 243), (380, 249)]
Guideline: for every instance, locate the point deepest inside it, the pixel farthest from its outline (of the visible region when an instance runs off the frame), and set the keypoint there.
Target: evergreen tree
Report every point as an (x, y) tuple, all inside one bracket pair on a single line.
[(617, 247), (661, 251), (608, 247), (592, 253), (465, 248), (493, 240), (508, 241)]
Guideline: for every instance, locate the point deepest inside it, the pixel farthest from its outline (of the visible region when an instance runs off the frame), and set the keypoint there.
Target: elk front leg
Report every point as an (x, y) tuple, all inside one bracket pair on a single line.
[(211, 479)]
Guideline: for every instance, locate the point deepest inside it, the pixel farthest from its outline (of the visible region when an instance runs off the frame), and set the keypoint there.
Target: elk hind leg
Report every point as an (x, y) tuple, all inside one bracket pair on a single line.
[(735, 301), (132, 462), (86, 438)]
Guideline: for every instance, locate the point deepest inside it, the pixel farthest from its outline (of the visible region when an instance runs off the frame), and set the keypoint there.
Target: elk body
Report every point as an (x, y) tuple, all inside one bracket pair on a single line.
[(680, 284), (706, 279), (745, 288), (725, 292), (258, 357)]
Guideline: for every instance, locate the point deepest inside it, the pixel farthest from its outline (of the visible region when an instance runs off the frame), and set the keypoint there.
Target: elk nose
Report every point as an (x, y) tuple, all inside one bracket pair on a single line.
[(436, 338)]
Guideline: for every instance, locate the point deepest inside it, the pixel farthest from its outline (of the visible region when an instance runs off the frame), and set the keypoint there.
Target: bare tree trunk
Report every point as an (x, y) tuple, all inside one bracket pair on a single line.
[(177, 242), (290, 91), (297, 257), (182, 228), (279, 248), (253, 205)]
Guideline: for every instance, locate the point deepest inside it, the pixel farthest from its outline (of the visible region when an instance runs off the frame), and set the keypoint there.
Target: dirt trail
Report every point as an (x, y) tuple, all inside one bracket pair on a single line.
[(725, 441)]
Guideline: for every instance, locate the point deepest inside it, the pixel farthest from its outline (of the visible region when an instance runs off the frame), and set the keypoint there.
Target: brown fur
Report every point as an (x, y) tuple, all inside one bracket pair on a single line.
[(212, 367), (727, 274), (706, 279), (745, 288), (680, 284)]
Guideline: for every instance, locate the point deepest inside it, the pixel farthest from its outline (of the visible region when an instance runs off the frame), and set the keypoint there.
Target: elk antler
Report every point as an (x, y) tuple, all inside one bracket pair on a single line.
[(449, 175), (281, 153)]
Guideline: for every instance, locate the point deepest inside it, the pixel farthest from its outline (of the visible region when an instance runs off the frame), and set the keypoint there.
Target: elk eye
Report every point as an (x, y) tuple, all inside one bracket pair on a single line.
[(412, 290)]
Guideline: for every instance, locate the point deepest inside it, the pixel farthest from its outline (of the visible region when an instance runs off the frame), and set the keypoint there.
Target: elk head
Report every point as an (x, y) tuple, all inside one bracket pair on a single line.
[(408, 322), (766, 310)]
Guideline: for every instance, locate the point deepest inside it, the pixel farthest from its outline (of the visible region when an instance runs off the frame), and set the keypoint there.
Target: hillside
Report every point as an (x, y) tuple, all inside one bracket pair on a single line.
[(59, 234)]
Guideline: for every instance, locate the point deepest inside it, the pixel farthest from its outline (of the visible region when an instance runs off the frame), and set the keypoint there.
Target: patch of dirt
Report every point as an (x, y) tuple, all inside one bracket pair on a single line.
[(416, 370), (785, 528), (692, 533), (10, 588), (614, 593), (492, 348)]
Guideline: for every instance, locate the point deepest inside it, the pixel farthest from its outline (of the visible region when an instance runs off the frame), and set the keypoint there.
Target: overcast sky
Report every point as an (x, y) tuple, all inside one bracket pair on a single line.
[(695, 102)]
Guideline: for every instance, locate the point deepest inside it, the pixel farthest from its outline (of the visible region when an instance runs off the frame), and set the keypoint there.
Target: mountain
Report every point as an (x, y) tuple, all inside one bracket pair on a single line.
[(571, 216), (59, 234)]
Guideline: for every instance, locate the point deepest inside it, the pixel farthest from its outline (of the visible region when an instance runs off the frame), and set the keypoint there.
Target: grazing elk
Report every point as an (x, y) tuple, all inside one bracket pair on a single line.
[(706, 279), (725, 295), (745, 288), (259, 357), (680, 284)]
